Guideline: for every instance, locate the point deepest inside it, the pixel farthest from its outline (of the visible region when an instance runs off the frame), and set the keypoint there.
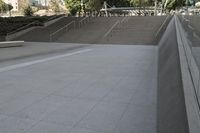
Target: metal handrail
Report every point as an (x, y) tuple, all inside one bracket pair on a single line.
[(111, 29), (161, 27), (84, 21), (66, 27), (54, 17), (117, 24), (21, 28), (124, 20), (32, 23)]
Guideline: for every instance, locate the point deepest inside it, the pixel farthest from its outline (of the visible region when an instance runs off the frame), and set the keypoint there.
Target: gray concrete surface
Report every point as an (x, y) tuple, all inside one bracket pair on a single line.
[(30, 49), (103, 89), (172, 117), (190, 78), (196, 53)]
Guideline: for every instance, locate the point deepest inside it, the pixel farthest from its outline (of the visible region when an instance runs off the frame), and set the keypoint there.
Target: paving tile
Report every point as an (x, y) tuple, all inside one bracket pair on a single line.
[(44, 127), (84, 130), (103, 117), (137, 119), (119, 95), (70, 113), (15, 125), (42, 108), (20, 103), (94, 93)]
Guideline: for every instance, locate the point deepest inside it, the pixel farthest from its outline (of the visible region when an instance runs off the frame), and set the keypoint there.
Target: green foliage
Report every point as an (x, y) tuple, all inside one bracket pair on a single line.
[(119, 3), (54, 5), (73, 6), (28, 11), (5, 7), (94, 5), (141, 2), (172, 4), (10, 24)]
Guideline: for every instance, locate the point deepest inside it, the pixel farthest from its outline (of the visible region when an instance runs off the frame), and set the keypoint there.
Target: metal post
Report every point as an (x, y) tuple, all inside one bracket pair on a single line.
[(106, 9), (140, 4), (155, 8)]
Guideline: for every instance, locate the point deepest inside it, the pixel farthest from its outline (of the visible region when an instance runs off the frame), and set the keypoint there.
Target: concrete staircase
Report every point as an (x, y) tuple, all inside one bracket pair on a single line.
[(42, 34), (101, 30), (135, 30), (91, 33)]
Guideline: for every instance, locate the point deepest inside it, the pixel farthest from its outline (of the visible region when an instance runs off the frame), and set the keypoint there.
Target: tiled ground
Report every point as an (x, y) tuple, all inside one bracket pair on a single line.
[(110, 89)]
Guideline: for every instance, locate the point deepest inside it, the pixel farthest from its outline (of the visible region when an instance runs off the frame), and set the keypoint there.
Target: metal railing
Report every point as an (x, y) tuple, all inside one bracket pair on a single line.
[(62, 30), (22, 28), (84, 21), (163, 25), (118, 25), (188, 35), (124, 21), (109, 33)]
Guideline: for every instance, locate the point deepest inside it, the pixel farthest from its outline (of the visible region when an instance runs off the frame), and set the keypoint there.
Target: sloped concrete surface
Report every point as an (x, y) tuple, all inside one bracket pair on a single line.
[(30, 49), (98, 89), (172, 117)]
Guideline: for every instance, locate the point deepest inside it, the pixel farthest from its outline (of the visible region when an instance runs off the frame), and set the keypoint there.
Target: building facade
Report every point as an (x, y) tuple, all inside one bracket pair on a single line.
[(39, 2)]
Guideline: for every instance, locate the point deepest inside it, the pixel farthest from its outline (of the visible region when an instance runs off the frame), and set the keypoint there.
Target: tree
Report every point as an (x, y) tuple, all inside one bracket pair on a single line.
[(28, 11), (22, 4), (172, 4), (5, 7), (142, 2), (119, 3), (73, 6), (94, 5), (54, 5)]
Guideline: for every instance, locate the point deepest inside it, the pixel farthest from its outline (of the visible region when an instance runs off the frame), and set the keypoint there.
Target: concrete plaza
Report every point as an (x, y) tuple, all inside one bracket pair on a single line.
[(98, 89)]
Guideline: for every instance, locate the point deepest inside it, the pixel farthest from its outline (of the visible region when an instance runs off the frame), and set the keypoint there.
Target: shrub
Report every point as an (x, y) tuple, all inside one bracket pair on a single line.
[(73, 11), (28, 11)]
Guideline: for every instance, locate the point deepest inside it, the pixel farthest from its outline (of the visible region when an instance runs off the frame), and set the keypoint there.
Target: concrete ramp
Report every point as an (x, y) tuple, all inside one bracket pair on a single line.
[(171, 104)]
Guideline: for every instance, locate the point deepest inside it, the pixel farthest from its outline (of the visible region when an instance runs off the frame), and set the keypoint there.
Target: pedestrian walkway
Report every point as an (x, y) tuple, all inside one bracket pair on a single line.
[(102, 89)]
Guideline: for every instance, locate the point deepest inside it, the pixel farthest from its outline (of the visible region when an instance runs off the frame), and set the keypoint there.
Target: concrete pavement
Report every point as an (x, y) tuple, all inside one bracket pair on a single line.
[(30, 49), (107, 89)]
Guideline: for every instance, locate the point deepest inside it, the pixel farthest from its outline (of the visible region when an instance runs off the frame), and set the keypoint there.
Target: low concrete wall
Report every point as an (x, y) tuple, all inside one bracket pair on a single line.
[(17, 34), (53, 21), (172, 117), (8, 44), (2, 38), (190, 78)]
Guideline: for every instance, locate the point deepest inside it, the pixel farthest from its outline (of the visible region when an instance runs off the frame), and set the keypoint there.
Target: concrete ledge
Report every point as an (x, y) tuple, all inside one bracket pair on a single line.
[(8, 44), (188, 79), (52, 21), (172, 116), (17, 34)]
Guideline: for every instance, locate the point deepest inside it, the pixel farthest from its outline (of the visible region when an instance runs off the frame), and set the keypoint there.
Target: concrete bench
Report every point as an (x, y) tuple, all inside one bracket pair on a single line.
[(8, 44)]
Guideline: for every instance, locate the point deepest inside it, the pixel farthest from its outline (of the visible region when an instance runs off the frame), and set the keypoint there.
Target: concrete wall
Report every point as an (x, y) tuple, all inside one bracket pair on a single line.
[(171, 115)]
